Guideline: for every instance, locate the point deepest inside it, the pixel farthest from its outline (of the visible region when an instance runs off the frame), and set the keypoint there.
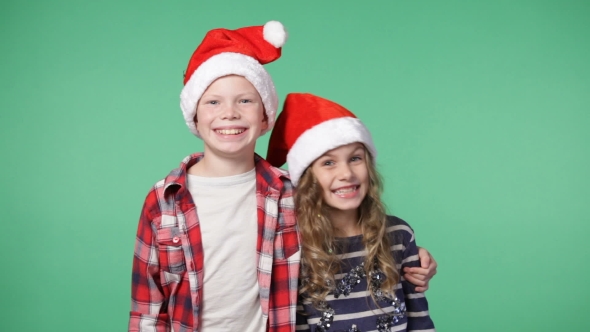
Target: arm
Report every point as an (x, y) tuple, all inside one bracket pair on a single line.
[(285, 265), (420, 276), (301, 321), (146, 292), (416, 303)]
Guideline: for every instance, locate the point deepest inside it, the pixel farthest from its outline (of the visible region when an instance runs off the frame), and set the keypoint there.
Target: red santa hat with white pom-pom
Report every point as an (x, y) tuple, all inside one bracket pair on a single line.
[(234, 52), (310, 126)]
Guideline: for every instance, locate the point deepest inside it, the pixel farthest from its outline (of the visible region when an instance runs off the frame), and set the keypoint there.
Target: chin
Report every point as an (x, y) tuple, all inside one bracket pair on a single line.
[(352, 206)]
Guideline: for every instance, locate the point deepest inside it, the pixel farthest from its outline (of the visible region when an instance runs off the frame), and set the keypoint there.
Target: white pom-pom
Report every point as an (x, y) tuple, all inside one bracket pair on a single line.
[(274, 32)]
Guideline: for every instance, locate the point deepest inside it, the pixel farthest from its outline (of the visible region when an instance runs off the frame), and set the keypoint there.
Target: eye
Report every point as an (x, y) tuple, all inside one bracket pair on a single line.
[(327, 163), (356, 158), (212, 102), (245, 101)]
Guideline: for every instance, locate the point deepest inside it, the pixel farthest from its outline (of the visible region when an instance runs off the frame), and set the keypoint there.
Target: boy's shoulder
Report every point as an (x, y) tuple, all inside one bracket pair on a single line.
[(177, 175), (273, 176)]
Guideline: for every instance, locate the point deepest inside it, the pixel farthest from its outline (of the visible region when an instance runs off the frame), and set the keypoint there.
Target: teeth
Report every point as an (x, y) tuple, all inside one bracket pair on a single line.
[(230, 131), (345, 190)]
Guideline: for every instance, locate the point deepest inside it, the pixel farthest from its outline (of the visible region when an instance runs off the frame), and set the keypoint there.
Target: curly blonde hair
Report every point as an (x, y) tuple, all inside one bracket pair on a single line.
[(318, 263)]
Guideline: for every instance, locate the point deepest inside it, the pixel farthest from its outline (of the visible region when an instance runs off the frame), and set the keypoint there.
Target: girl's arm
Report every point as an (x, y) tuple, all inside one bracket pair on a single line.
[(301, 318), (420, 276), (416, 303)]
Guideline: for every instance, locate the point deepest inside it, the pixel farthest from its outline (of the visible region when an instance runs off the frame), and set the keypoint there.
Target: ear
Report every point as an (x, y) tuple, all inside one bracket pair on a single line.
[(264, 120), (264, 125)]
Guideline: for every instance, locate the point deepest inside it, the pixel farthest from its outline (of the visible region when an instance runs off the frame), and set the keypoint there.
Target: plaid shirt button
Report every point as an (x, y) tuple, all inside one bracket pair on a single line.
[(175, 239)]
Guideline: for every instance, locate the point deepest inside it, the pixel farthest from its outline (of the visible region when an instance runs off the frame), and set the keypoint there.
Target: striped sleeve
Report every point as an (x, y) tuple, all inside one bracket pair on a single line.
[(301, 318), (416, 303)]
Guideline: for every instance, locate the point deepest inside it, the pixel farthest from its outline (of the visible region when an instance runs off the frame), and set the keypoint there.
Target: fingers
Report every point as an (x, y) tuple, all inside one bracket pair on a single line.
[(431, 270), (421, 273), (416, 279), (420, 276), (422, 289), (424, 256), (433, 264)]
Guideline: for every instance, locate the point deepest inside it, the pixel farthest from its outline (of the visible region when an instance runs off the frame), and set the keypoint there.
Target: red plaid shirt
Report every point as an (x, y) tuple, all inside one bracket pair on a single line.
[(167, 280)]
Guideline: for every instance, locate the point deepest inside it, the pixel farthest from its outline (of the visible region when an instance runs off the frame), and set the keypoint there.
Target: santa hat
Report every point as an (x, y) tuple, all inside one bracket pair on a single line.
[(308, 127), (234, 52)]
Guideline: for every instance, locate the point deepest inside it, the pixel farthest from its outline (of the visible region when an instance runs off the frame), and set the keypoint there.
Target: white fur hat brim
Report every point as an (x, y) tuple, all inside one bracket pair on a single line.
[(319, 139), (221, 65)]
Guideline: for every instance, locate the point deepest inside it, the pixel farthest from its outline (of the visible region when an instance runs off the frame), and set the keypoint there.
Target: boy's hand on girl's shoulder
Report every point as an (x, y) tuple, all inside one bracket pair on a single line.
[(420, 276)]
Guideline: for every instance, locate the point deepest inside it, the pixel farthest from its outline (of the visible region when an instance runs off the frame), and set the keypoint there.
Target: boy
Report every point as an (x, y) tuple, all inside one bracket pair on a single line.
[(217, 244), (225, 218)]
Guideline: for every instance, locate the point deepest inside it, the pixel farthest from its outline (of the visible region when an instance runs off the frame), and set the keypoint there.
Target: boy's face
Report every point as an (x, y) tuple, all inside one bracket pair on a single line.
[(230, 117), (343, 176)]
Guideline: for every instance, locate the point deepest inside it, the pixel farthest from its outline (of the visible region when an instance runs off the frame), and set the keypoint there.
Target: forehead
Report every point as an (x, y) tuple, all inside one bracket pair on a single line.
[(345, 149), (231, 83)]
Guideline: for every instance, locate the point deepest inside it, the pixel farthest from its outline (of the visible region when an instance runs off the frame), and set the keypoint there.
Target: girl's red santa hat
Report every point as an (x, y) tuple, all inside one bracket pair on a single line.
[(310, 126), (240, 52)]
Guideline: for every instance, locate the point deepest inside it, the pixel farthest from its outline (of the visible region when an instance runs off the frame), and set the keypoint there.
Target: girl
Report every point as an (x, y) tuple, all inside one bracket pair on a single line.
[(353, 253)]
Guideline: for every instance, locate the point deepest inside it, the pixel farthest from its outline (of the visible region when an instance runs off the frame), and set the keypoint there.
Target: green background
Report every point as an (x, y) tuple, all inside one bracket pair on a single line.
[(479, 109)]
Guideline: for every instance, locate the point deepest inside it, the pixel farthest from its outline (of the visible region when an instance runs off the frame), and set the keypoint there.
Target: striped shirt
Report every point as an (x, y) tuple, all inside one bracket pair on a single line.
[(351, 306), (167, 278)]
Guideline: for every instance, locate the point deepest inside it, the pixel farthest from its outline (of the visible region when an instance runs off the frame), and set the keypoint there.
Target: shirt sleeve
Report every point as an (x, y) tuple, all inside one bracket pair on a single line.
[(301, 321), (285, 267), (416, 303), (148, 312)]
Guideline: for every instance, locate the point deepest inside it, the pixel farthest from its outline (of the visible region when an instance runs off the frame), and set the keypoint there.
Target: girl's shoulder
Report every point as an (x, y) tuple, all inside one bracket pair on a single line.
[(396, 221), (399, 229)]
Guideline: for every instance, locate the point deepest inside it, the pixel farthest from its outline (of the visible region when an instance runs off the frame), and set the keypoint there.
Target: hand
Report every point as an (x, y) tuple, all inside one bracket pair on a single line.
[(420, 276)]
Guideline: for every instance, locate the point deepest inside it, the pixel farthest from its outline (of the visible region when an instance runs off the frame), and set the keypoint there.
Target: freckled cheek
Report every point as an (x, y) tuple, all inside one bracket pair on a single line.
[(203, 118)]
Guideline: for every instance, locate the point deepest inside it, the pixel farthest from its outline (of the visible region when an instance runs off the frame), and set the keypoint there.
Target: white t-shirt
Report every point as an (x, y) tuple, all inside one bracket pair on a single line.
[(226, 207)]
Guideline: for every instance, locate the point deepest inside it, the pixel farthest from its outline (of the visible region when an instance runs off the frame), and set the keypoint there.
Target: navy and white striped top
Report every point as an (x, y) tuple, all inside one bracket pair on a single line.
[(350, 307)]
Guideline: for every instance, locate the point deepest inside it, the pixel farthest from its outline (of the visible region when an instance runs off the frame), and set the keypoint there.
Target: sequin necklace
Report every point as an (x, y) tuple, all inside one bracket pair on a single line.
[(345, 286)]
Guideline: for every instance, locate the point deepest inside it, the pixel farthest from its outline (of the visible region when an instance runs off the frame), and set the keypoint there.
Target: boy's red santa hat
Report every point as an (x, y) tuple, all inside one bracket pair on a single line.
[(240, 52), (310, 126)]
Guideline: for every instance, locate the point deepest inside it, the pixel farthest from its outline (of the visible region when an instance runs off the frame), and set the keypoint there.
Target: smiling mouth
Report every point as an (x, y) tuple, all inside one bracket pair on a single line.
[(230, 131), (344, 191)]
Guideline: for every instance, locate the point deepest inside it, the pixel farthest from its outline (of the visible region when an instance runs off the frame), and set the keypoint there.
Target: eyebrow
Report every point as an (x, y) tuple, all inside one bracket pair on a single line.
[(358, 149), (208, 95), (241, 95)]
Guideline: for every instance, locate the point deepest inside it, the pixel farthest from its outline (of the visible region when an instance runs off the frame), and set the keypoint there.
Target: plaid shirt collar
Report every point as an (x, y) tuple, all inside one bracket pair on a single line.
[(268, 176)]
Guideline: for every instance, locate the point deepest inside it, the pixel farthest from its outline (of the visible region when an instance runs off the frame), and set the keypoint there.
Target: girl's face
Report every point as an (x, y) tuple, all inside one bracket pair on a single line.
[(343, 176)]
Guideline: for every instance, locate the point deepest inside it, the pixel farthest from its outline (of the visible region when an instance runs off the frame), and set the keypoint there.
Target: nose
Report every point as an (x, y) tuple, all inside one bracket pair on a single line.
[(344, 172), (230, 112)]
